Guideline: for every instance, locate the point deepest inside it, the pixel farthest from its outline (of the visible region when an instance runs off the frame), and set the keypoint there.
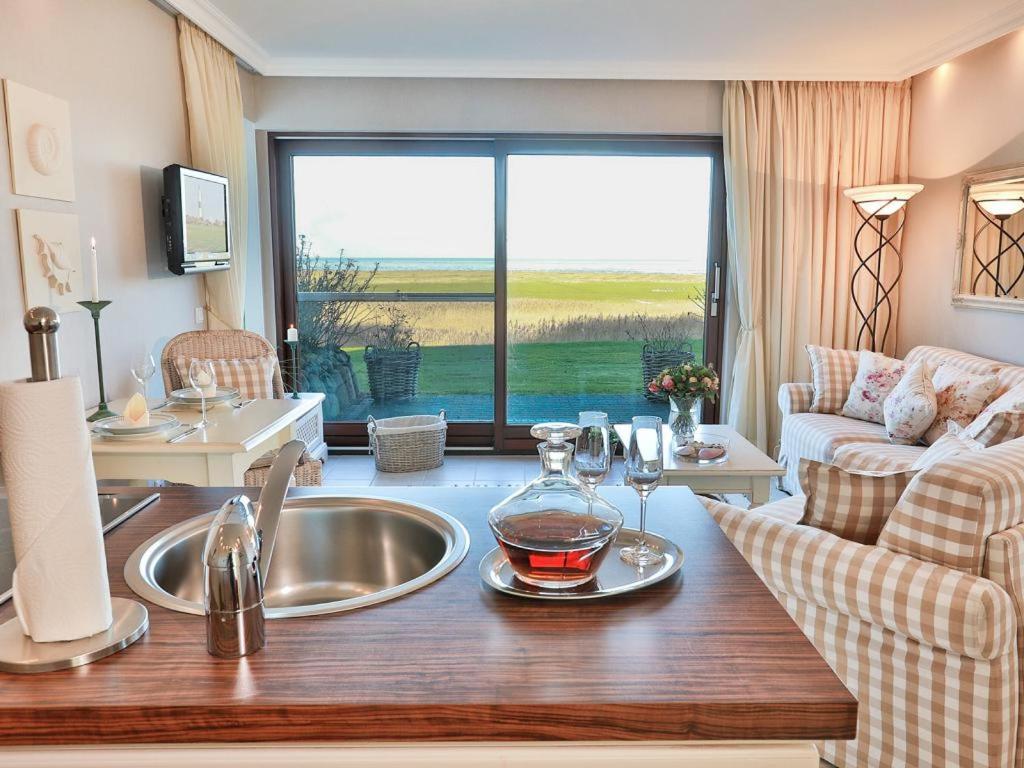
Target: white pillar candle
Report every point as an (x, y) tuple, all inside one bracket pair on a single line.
[(95, 271), (293, 333)]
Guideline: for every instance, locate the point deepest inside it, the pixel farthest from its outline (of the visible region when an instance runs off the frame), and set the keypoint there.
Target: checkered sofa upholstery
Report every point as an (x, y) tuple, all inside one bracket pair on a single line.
[(856, 444), (926, 627)]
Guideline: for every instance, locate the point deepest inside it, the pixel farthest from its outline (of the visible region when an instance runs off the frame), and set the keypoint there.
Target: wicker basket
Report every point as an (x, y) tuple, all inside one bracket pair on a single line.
[(654, 361), (407, 443), (393, 373)]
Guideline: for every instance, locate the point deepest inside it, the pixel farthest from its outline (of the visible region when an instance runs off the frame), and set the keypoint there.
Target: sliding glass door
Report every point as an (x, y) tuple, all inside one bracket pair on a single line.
[(607, 263), (506, 280)]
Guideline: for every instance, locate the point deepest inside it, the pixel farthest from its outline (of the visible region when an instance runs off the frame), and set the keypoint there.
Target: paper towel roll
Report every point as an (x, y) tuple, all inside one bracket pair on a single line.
[(60, 580)]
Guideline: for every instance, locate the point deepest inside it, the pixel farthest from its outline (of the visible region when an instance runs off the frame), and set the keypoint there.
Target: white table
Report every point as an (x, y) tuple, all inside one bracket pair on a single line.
[(215, 456), (747, 470)]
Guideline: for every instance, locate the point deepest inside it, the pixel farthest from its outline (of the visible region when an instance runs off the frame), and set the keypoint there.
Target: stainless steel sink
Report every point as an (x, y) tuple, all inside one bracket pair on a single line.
[(332, 554)]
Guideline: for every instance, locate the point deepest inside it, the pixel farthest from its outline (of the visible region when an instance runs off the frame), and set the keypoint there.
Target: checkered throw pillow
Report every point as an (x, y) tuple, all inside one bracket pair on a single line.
[(253, 377), (832, 374), (852, 505), (996, 428)]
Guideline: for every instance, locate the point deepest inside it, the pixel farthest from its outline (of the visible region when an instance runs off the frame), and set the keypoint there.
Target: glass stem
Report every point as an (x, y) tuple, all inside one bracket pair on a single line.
[(202, 401), (642, 541)]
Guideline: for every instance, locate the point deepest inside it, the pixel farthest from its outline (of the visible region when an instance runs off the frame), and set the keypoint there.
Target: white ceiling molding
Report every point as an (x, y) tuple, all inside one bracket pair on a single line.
[(225, 30), (984, 31)]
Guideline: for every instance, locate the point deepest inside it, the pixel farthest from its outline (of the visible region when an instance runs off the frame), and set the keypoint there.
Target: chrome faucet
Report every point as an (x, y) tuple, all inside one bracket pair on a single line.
[(236, 560)]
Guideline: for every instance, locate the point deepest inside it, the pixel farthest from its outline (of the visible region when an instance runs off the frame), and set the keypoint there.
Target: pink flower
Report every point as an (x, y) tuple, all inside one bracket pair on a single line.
[(652, 387), (668, 383)]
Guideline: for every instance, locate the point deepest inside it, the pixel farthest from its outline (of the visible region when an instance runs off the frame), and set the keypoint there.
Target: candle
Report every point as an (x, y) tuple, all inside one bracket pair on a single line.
[(95, 271), (293, 333)]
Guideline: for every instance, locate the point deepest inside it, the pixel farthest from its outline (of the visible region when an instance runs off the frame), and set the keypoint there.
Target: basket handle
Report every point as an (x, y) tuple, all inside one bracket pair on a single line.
[(412, 344)]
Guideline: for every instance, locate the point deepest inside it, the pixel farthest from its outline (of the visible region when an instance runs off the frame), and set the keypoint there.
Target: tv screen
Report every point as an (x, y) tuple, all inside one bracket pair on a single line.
[(206, 221), (196, 220)]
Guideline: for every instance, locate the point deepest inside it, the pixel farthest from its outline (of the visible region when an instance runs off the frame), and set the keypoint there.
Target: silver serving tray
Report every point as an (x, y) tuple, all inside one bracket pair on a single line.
[(189, 396), (614, 577)]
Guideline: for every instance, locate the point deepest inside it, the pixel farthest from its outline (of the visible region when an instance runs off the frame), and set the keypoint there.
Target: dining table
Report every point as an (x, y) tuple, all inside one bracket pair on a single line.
[(238, 433)]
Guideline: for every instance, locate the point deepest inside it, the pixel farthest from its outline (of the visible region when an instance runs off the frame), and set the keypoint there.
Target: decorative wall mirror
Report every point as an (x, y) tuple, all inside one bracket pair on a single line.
[(990, 252)]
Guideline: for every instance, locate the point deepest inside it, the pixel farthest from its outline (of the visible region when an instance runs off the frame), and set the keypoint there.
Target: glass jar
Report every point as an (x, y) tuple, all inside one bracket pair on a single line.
[(555, 531)]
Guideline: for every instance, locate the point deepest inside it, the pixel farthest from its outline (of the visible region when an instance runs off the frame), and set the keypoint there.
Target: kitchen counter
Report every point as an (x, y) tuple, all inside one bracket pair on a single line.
[(706, 655)]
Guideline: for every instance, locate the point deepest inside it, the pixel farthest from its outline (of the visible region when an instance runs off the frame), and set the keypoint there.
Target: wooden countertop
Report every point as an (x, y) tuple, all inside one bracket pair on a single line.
[(708, 654)]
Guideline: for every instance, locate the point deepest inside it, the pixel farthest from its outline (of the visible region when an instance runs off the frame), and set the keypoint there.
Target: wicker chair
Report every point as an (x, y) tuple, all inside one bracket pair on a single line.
[(235, 345)]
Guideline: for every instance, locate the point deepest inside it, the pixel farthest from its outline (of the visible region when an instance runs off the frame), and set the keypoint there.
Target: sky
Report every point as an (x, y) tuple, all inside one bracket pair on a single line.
[(212, 197), (564, 211)]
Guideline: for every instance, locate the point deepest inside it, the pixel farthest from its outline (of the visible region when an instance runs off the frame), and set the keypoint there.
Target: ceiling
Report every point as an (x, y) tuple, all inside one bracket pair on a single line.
[(633, 39)]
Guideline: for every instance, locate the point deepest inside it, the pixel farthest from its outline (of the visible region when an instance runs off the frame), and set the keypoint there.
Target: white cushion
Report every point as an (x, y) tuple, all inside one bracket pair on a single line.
[(910, 408), (877, 375), (960, 396)]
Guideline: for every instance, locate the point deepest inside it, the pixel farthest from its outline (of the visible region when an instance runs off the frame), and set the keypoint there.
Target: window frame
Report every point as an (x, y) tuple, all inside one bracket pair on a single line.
[(496, 435)]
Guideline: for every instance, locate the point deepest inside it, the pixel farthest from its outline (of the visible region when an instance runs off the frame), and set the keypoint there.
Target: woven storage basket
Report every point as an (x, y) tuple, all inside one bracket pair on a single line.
[(407, 443), (393, 373), (654, 361)]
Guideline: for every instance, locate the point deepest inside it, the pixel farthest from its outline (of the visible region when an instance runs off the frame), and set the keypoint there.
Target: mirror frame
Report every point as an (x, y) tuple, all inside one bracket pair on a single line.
[(969, 299)]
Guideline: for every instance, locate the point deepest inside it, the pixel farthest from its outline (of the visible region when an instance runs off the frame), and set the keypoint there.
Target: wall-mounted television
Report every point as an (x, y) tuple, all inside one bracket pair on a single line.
[(196, 220)]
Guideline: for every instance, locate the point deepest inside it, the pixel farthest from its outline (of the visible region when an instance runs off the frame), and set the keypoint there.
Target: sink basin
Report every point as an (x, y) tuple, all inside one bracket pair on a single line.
[(332, 554)]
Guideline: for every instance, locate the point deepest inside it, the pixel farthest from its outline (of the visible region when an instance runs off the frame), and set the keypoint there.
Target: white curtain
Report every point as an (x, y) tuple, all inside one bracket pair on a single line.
[(213, 98), (791, 148)]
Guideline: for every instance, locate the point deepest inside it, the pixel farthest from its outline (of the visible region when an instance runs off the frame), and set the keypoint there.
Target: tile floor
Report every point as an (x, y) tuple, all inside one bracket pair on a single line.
[(467, 471)]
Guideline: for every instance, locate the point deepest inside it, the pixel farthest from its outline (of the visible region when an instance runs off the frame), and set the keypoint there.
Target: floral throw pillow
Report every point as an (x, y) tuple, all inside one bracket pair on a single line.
[(876, 377), (910, 408), (959, 397), (832, 373)]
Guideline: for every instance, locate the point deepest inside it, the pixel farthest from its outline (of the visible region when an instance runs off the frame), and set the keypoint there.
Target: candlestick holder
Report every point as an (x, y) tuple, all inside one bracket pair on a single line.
[(95, 307), (293, 367)]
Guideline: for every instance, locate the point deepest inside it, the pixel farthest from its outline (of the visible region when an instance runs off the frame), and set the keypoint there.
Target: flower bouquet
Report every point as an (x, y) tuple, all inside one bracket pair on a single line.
[(685, 385)]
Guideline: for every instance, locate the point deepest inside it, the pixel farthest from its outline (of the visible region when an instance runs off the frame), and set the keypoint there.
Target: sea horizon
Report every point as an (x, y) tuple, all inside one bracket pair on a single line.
[(415, 264)]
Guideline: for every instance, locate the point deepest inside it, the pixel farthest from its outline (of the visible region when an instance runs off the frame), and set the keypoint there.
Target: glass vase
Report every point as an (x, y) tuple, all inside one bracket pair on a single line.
[(683, 416)]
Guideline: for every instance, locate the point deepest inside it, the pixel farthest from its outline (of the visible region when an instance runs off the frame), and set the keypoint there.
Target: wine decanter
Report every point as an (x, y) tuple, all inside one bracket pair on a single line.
[(555, 531)]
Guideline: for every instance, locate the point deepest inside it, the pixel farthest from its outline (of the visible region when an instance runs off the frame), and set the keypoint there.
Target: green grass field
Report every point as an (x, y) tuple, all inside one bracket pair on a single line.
[(586, 367), (204, 238)]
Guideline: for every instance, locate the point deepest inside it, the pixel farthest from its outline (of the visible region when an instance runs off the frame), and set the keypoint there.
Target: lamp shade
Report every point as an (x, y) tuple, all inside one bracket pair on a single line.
[(999, 200), (882, 199)]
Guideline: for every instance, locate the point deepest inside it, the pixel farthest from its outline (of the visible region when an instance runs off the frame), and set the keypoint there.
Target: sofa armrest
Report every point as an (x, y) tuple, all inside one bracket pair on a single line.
[(795, 398), (930, 603)]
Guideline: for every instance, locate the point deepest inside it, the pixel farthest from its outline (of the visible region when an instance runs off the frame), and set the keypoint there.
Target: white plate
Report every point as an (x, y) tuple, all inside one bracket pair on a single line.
[(189, 396), (614, 577), (116, 427)]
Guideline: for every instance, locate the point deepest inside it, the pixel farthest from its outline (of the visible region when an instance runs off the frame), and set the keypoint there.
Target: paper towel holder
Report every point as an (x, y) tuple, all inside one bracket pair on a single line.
[(18, 652), (21, 654)]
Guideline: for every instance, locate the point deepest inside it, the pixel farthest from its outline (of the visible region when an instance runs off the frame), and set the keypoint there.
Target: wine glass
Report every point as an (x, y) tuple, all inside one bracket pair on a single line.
[(592, 459), (644, 467), (202, 379), (143, 366)]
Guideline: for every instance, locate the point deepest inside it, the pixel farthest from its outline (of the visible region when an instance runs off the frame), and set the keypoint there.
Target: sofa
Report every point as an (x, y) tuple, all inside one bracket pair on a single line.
[(925, 626), (862, 444)]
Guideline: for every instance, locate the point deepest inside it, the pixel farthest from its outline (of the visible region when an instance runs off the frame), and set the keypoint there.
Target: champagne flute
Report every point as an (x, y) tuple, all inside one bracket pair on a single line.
[(202, 379), (644, 467), (143, 366), (592, 459)]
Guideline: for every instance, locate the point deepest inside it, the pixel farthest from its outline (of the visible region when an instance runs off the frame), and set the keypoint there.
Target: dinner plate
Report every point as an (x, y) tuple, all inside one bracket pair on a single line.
[(191, 397), (116, 427)]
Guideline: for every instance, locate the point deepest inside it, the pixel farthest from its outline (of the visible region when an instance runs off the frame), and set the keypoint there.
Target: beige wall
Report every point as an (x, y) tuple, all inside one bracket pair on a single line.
[(967, 116), (116, 62), (586, 106)]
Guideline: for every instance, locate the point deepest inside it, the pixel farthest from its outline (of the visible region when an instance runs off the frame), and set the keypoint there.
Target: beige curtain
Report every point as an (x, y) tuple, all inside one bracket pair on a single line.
[(791, 148), (213, 98)]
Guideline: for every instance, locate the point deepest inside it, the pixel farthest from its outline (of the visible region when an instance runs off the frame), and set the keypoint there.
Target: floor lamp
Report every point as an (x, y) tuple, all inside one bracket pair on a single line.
[(998, 202), (875, 205)]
